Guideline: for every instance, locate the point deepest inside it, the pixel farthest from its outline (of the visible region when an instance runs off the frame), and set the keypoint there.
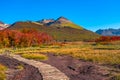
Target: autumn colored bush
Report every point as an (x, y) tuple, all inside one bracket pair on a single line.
[(107, 39), (23, 38)]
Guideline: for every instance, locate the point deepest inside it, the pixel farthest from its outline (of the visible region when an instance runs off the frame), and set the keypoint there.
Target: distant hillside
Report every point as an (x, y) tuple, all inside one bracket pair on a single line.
[(109, 32), (56, 28)]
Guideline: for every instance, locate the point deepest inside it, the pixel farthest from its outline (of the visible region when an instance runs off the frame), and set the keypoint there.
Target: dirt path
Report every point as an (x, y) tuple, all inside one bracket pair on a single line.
[(75, 69), (78, 69), (15, 73), (48, 72)]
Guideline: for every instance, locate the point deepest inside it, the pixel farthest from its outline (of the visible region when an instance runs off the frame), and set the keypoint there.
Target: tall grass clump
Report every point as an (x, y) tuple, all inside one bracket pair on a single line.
[(35, 56), (2, 72)]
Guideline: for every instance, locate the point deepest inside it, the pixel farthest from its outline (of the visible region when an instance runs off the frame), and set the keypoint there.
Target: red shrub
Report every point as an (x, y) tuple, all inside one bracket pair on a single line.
[(108, 38), (27, 37)]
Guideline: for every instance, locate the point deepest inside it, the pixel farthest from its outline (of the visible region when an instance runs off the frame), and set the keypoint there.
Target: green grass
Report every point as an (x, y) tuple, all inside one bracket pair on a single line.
[(107, 47), (35, 56), (2, 72), (68, 24), (72, 25)]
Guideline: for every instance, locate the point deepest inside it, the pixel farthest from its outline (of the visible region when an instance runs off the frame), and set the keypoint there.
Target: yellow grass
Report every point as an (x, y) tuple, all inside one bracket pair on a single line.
[(20, 67), (102, 54), (2, 72), (35, 56), (117, 77), (95, 53), (87, 53)]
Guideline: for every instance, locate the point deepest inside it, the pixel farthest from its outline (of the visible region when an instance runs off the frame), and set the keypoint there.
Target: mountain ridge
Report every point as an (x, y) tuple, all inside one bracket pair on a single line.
[(61, 29), (109, 32), (59, 22)]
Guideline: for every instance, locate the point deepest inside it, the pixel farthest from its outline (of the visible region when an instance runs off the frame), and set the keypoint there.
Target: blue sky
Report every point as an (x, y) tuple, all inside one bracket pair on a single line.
[(91, 14)]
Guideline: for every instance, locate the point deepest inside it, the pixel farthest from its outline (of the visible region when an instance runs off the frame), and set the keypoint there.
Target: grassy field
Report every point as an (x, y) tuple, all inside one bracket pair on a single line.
[(72, 25), (2, 72), (103, 54)]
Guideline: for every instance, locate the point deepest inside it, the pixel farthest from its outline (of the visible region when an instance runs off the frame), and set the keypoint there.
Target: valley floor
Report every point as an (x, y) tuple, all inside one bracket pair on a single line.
[(79, 61), (75, 69)]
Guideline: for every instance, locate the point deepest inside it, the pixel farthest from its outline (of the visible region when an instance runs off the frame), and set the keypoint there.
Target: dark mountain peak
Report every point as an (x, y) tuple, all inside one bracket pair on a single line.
[(1, 22), (63, 20), (62, 17)]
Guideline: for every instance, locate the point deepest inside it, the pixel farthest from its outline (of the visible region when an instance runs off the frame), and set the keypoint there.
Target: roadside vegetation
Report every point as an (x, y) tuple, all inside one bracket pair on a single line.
[(117, 77), (35, 56), (103, 54), (2, 72)]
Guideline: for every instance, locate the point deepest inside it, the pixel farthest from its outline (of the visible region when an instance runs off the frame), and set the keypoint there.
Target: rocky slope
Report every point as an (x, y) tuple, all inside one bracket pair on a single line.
[(3, 25)]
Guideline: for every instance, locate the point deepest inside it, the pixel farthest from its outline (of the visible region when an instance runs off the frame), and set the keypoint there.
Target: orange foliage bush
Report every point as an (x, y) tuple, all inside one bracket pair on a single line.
[(24, 38), (108, 39)]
